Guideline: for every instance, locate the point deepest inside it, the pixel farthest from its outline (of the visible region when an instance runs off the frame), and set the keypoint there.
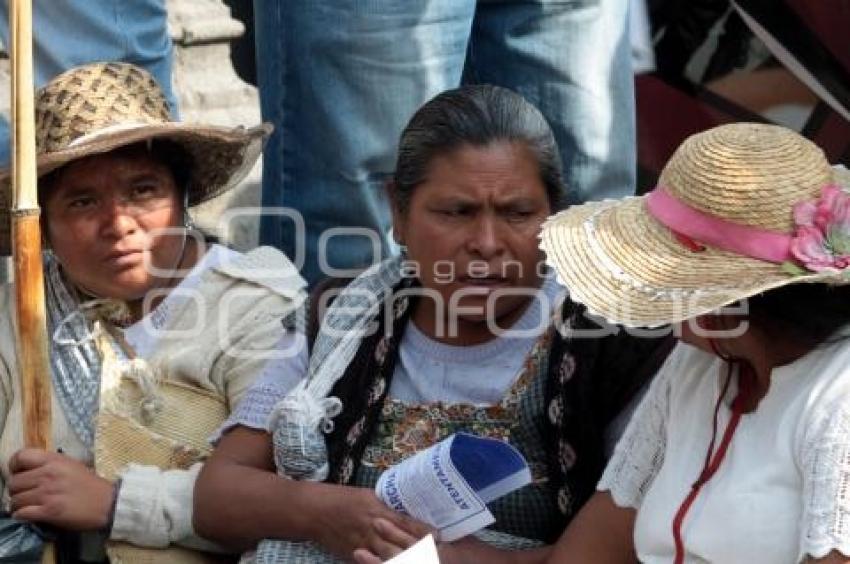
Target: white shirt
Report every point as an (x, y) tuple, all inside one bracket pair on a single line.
[(427, 370), (144, 335), (155, 506), (783, 489), (431, 371)]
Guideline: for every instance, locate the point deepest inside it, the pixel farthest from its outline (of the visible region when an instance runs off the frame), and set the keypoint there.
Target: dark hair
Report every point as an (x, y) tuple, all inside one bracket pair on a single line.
[(170, 153), (177, 158), (807, 313), (475, 115)]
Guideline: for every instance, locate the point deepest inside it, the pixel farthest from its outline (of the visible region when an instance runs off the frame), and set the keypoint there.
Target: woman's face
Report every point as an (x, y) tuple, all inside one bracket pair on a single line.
[(105, 218), (471, 228)]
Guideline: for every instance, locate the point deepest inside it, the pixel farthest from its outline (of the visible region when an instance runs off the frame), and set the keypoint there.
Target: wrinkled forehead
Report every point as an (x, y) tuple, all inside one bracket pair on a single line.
[(502, 170), (105, 168), (107, 173)]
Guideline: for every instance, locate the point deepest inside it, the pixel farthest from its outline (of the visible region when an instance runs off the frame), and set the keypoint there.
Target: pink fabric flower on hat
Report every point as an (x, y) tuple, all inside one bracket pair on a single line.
[(822, 240)]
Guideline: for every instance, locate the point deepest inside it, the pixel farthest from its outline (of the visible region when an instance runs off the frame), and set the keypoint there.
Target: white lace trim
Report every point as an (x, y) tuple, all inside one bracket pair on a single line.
[(826, 491), (640, 452), (824, 462)]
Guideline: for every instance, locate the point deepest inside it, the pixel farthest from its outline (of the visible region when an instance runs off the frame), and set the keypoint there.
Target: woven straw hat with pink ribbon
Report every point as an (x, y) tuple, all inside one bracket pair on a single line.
[(738, 210), (98, 107)]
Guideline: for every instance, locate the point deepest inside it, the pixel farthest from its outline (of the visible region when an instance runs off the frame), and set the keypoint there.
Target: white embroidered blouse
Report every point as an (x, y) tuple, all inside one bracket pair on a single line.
[(215, 331), (783, 491)]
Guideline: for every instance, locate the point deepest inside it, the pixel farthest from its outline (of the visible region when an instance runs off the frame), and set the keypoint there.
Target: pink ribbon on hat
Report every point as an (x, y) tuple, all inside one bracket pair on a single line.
[(697, 225)]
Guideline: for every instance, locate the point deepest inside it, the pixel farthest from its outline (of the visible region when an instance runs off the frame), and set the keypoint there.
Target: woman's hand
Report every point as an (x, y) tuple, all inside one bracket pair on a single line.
[(49, 487), (346, 521), (394, 540), (468, 550)]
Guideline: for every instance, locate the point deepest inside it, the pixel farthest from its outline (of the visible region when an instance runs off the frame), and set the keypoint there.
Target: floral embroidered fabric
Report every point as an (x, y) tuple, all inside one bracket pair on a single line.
[(404, 429)]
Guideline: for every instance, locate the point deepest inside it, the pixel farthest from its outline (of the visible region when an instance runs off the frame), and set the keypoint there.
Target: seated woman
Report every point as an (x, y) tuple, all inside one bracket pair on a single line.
[(458, 334), (740, 452), (155, 336)]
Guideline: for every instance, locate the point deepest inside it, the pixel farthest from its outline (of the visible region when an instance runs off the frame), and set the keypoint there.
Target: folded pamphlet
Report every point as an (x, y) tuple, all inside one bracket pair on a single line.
[(449, 485)]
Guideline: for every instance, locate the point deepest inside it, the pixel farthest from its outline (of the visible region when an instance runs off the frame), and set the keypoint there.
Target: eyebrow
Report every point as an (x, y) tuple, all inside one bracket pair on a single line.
[(82, 188), (75, 192), (142, 175), (454, 200), (462, 199), (520, 201)]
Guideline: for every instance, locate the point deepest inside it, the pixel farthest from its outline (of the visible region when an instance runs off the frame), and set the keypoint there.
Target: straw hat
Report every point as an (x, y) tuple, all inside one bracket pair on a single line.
[(630, 268), (99, 107)]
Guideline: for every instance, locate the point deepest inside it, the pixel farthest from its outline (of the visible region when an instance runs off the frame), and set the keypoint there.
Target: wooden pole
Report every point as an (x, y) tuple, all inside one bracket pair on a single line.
[(33, 360), (32, 349)]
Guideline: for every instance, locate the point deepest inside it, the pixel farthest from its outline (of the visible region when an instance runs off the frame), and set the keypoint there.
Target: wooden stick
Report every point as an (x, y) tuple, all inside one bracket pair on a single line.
[(33, 360)]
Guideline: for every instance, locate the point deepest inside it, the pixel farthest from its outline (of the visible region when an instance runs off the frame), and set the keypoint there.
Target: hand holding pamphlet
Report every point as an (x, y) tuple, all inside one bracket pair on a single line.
[(423, 552), (449, 484)]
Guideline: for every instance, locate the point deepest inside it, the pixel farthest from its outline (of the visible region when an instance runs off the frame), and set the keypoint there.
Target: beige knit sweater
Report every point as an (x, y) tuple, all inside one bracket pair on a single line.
[(215, 341)]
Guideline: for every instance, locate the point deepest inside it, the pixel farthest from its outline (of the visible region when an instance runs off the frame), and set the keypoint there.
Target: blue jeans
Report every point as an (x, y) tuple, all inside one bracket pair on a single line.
[(74, 32), (340, 80)]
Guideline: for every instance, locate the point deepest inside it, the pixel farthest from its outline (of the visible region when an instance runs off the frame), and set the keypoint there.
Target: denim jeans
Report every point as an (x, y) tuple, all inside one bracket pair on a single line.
[(74, 32), (340, 79)]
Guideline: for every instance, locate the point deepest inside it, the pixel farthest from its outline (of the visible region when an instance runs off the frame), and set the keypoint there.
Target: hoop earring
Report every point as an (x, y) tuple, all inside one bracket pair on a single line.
[(188, 222)]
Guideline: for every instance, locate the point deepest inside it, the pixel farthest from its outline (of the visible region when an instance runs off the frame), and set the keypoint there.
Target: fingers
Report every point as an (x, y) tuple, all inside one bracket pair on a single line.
[(389, 539), (363, 556), (32, 513), (385, 550), (413, 527), (417, 529), (393, 534), (34, 468), (29, 459), (23, 481), (33, 498), (30, 473), (26, 499), (59, 490)]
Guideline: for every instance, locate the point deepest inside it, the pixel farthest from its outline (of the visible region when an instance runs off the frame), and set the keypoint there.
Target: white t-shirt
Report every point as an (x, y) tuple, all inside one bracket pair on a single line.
[(431, 371), (783, 490), (427, 370)]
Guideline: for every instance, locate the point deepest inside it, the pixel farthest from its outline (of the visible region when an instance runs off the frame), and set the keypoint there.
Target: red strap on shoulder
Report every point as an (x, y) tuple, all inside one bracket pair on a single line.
[(746, 381)]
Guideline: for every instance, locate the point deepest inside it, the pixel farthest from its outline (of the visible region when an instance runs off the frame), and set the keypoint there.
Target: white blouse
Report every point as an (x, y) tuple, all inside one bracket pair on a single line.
[(427, 370), (783, 490)]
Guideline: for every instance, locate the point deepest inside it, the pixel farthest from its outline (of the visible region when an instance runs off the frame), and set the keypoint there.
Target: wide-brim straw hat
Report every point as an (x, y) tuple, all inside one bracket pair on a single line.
[(626, 266), (99, 107)]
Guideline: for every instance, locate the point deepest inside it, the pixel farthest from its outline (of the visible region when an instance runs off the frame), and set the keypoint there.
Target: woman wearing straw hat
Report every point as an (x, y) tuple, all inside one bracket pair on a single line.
[(155, 334), (464, 339), (740, 452)]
